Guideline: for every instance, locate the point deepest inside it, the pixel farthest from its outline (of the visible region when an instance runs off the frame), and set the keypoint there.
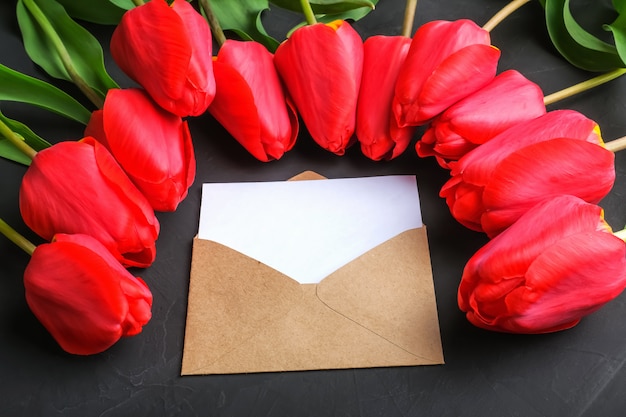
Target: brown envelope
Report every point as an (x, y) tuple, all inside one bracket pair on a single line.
[(378, 310)]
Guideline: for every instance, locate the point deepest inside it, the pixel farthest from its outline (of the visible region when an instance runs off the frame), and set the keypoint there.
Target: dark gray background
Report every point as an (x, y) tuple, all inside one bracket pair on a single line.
[(579, 372)]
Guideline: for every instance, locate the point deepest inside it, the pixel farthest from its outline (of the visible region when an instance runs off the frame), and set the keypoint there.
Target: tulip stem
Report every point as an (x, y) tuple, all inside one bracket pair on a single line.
[(17, 140), (503, 14), (409, 17), (583, 86), (64, 55), (138, 3), (16, 238), (616, 145), (308, 12), (621, 234), (214, 23)]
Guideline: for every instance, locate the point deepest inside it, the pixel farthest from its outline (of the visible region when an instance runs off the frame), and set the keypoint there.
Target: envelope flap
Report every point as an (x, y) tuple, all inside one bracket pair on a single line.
[(230, 305), (395, 300)]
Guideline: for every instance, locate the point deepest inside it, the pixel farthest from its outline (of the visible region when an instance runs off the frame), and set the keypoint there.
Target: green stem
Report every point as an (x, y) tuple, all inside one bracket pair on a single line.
[(409, 17), (16, 238), (503, 14), (583, 86), (308, 12), (138, 3), (16, 140), (214, 23), (64, 55)]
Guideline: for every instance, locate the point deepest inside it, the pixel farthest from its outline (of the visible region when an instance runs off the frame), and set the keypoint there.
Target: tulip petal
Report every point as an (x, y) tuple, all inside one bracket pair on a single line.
[(145, 125), (435, 48), (432, 43), (149, 143), (83, 296), (255, 64), (461, 74), (200, 70), (521, 280), (571, 279), (141, 219), (541, 171), (323, 82), (236, 110), (57, 196), (477, 165), (509, 99), (95, 301), (575, 216), (155, 36), (496, 100), (376, 128)]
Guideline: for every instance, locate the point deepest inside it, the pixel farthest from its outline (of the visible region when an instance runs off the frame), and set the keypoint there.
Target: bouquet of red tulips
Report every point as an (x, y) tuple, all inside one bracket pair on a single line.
[(530, 179)]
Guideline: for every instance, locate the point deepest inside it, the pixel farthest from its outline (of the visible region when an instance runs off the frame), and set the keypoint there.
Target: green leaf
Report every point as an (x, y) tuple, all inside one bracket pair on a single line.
[(579, 47), (354, 15), (83, 48), (123, 4), (104, 12), (244, 19), (9, 151), (15, 86), (326, 6), (618, 27), (581, 36), (619, 6)]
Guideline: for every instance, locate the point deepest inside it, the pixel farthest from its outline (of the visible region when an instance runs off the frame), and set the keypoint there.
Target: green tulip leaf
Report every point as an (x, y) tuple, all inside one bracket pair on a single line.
[(9, 151), (579, 47), (38, 33), (244, 20), (353, 15), (103, 12), (18, 87), (326, 6), (122, 4), (618, 28)]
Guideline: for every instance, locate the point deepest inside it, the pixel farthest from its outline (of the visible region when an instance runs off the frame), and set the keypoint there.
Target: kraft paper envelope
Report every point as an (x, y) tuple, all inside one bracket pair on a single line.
[(378, 310)]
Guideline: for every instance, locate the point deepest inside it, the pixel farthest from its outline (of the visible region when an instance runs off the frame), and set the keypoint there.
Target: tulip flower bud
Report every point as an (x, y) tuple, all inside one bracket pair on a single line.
[(167, 50), (250, 102), (376, 128), (152, 145), (321, 66), (558, 263), (558, 153), (447, 61), (83, 296), (509, 99), (79, 188)]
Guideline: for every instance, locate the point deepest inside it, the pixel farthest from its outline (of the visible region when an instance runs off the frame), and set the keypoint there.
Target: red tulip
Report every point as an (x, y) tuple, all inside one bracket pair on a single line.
[(152, 145), (250, 102), (507, 100), (376, 128), (447, 61), (79, 188), (321, 66), (83, 296), (557, 263), (560, 152), (167, 49)]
